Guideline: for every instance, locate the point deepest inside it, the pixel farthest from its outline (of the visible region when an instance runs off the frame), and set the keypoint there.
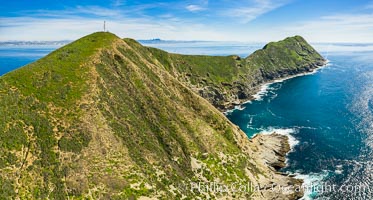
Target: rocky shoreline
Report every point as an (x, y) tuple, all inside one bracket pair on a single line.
[(271, 150), (279, 60), (238, 94), (231, 105)]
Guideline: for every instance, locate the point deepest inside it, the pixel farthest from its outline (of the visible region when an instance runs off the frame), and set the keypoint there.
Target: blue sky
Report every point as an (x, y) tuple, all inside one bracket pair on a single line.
[(219, 20)]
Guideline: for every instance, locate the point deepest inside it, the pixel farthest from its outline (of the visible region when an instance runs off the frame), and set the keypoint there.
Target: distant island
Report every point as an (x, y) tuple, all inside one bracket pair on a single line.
[(155, 40), (108, 118), (27, 43)]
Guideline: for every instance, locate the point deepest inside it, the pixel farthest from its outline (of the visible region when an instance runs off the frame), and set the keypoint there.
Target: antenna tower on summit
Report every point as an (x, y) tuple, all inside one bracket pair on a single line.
[(104, 26)]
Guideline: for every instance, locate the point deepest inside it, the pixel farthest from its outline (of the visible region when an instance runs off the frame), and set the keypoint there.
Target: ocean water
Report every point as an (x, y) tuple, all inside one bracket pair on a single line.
[(242, 49), (13, 57), (328, 115)]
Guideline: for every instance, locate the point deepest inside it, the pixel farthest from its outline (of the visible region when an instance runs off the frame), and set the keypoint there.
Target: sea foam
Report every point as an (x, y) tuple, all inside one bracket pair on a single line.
[(283, 131), (311, 182), (262, 92)]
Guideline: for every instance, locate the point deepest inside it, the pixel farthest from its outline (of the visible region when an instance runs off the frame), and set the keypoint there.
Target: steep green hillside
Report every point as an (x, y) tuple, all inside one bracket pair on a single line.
[(105, 118), (287, 57), (231, 80), (41, 118)]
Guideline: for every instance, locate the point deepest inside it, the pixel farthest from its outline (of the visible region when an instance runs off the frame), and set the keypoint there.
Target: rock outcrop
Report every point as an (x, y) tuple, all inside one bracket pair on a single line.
[(271, 150)]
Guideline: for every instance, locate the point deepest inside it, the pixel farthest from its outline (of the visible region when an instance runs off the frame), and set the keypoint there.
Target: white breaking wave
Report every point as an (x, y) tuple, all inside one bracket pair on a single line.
[(239, 107), (262, 91), (338, 171), (283, 131), (310, 183)]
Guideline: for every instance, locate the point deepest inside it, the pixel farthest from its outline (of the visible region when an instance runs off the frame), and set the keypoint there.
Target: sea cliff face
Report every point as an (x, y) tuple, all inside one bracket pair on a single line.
[(107, 118)]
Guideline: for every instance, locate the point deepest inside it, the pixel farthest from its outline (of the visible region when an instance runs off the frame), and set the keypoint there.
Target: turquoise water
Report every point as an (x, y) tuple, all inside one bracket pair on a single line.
[(328, 114)]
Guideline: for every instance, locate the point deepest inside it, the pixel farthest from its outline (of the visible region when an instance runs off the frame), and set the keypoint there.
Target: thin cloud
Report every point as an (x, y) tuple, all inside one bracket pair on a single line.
[(94, 11), (117, 3), (88, 11), (13, 28), (97, 11), (249, 11), (194, 8), (337, 28), (137, 22), (198, 6), (369, 5)]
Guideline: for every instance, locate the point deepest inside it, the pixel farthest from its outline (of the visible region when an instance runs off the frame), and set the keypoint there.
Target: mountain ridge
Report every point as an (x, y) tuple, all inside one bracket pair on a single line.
[(227, 81), (106, 118)]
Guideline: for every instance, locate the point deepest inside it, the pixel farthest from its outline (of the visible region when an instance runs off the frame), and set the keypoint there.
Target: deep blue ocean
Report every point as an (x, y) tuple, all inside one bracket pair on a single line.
[(328, 114), (13, 57)]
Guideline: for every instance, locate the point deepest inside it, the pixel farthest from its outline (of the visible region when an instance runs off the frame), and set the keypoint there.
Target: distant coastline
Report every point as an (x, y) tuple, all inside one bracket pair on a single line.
[(36, 43)]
